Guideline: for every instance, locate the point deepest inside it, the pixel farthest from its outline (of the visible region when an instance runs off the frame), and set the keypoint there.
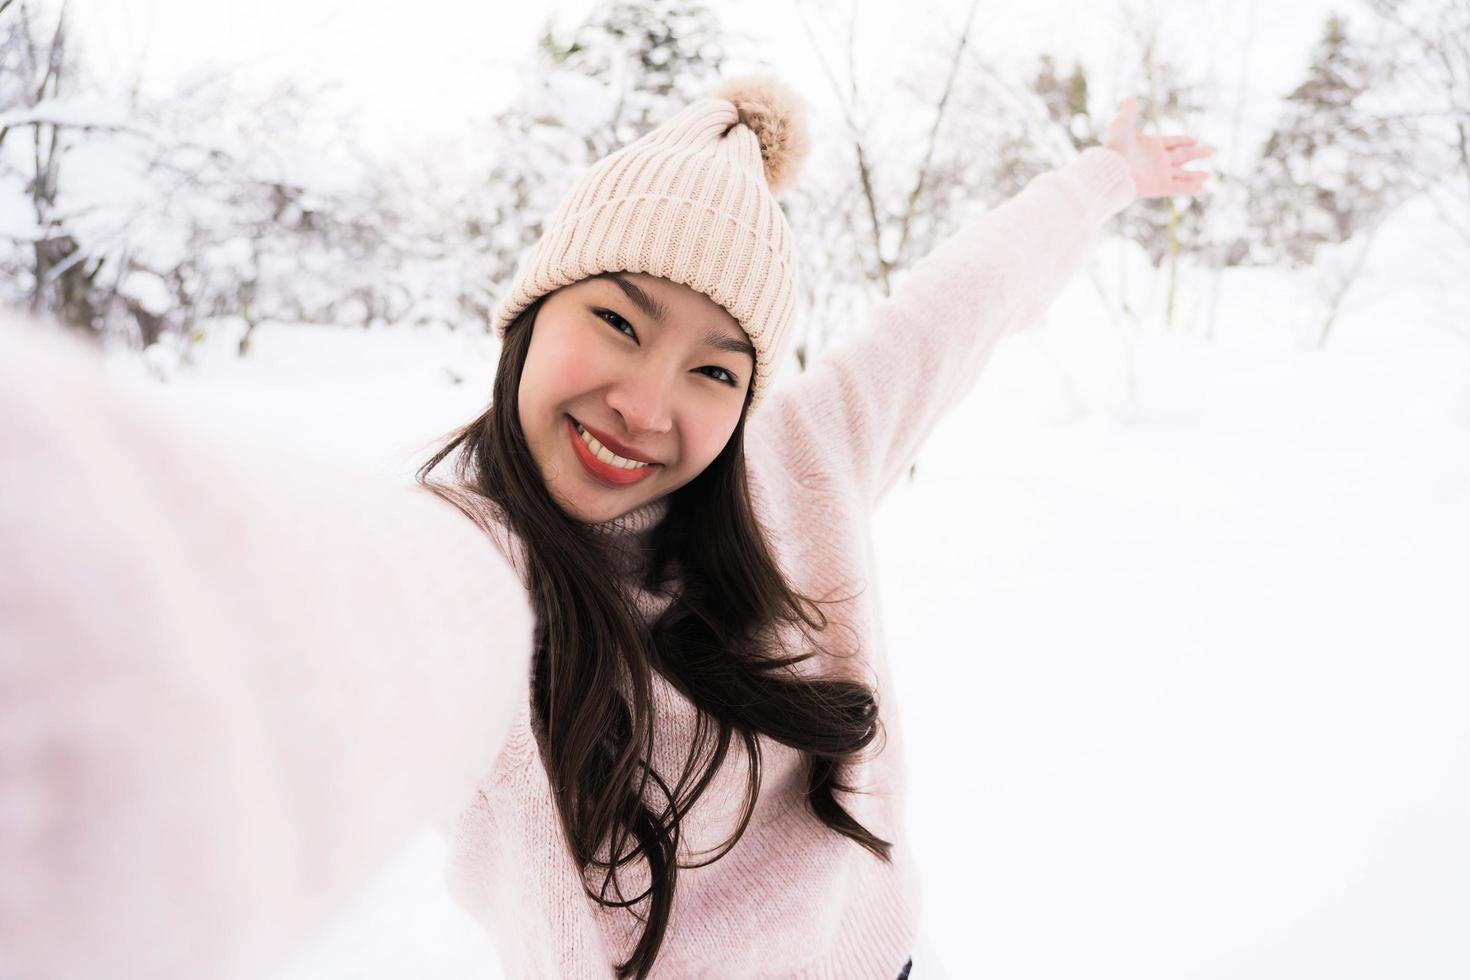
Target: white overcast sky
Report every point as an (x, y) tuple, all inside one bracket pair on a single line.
[(428, 68)]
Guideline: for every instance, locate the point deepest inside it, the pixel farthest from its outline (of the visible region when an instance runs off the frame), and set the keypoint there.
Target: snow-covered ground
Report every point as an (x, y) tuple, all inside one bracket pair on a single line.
[(1183, 660)]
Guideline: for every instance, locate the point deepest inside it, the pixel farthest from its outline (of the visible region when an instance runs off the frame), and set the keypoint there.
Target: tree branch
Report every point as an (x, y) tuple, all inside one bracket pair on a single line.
[(847, 101), (954, 71)]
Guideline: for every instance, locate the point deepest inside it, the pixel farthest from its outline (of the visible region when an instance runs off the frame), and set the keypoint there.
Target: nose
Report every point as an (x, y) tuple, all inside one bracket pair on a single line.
[(644, 400)]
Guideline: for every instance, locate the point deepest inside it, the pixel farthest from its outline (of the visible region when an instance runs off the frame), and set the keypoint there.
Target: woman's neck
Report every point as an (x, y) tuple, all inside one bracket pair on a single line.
[(637, 522), (629, 536)]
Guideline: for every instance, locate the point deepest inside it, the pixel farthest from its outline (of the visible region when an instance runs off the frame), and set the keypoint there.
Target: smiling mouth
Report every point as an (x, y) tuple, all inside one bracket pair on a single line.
[(602, 463), (607, 455)]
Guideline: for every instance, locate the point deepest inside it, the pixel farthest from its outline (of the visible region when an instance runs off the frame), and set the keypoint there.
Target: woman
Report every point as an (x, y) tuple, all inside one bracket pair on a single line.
[(670, 724)]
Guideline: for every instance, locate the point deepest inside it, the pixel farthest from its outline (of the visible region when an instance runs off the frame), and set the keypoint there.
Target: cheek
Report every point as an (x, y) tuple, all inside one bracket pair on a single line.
[(556, 370), (709, 434)]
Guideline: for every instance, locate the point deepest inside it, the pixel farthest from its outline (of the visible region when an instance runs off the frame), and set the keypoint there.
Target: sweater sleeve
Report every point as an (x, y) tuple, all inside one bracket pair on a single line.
[(856, 419), (233, 684)]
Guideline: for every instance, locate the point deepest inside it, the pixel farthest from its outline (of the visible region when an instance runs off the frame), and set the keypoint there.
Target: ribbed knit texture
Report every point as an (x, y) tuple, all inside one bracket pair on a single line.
[(231, 688), (687, 202)]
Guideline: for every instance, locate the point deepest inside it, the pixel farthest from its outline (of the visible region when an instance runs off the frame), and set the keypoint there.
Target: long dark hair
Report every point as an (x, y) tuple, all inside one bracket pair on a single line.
[(712, 643)]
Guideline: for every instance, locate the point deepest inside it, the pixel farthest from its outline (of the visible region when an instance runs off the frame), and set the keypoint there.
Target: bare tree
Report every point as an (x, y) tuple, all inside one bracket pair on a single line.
[(1163, 226), (1337, 271), (39, 69), (896, 225), (1428, 96), (1226, 252)]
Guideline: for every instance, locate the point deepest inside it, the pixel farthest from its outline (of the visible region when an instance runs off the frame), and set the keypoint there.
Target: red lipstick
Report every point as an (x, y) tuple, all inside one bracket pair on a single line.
[(605, 472), (611, 443)]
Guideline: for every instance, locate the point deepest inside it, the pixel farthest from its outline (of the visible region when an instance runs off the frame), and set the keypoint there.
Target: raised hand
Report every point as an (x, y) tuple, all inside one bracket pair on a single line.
[(1157, 162)]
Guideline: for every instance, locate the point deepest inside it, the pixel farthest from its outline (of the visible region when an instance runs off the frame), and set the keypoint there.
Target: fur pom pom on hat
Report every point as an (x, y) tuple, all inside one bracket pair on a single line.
[(693, 202), (776, 115)]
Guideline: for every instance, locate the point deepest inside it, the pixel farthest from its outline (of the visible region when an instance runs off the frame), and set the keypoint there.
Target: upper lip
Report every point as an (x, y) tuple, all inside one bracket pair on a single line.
[(614, 445)]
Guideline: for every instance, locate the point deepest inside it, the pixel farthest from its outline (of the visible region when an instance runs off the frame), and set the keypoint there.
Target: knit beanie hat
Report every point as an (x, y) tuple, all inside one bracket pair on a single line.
[(692, 202)]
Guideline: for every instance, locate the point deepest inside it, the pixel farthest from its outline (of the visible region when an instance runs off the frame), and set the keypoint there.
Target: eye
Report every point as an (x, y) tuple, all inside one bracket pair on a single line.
[(728, 378), (622, 326), (617, 322)]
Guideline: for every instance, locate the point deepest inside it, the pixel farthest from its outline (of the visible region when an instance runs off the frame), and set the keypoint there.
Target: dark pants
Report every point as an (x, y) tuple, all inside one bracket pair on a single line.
[(904, 973)]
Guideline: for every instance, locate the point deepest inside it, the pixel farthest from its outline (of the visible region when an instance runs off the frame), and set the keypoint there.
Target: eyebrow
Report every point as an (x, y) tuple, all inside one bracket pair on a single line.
[(651, 307), (723, 341), (658, 312)]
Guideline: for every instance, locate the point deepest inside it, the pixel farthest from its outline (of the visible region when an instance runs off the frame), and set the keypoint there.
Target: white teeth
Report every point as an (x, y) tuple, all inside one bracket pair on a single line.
[(605, 454)]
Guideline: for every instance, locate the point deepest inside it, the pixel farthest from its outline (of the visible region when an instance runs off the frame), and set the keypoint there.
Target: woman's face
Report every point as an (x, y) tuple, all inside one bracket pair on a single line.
[(629, 368)]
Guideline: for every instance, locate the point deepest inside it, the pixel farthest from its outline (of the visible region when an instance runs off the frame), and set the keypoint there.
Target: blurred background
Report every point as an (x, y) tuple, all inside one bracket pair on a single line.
[(1177, 600)]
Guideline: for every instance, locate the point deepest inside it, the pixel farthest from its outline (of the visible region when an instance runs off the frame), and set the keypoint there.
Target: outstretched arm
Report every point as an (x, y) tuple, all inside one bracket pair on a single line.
[(232, 684), (857, 418)]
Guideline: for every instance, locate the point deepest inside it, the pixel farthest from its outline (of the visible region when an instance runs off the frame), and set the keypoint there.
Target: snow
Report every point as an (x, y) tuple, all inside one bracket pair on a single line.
[(1181, 660), (70, 111), (1177, 615), (1208, 679)]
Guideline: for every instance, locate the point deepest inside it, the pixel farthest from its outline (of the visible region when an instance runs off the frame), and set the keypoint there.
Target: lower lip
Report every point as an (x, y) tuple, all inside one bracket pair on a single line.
[(605, 472)]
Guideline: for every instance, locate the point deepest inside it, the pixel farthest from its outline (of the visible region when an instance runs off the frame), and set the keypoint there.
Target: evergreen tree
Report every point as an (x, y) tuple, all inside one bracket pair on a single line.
[(592, 89), (653, 54), (1326, 170), (1066, 100)]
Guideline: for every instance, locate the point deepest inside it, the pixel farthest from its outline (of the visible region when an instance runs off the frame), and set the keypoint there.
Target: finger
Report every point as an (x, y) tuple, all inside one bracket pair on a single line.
[(1171, 142)]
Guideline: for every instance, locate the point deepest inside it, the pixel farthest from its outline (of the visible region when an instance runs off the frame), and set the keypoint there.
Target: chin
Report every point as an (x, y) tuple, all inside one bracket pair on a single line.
[(595, 512), (585, 501)]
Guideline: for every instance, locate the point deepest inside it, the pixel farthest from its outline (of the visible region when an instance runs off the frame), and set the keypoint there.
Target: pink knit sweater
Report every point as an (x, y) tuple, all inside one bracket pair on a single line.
[(167, 814)]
